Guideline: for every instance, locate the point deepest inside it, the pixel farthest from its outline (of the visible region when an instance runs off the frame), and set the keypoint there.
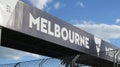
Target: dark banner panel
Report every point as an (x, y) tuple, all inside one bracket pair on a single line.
[(39, 24)]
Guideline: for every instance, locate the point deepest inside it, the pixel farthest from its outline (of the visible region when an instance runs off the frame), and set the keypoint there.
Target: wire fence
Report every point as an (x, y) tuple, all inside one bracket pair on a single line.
[(53, 62), (49, 62)]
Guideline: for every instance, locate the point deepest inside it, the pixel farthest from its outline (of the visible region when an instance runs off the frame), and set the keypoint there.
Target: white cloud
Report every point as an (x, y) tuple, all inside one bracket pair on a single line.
[(41, 4), (117, 21), (7, 53), (48, 9), (80, 4), (35, 55), (11, 57), (57, 5), (103, 31)]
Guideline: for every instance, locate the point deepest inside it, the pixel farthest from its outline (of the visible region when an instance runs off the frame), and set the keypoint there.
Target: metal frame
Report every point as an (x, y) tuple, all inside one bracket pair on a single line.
[(43, 61), (73, 64)]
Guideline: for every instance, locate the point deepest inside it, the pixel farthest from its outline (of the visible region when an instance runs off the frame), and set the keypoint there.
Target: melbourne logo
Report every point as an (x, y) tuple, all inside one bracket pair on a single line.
[(44, 25), (98, 44)]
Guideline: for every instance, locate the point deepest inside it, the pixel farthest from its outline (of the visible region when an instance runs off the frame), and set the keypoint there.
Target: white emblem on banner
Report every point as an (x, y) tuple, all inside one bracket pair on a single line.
[(98, 44)]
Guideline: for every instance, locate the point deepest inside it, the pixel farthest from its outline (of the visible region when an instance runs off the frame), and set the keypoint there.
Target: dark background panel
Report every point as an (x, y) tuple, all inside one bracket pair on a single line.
[(17, 34)]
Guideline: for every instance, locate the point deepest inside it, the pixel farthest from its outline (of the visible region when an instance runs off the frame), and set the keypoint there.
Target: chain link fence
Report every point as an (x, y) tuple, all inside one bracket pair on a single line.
[(49, 62)]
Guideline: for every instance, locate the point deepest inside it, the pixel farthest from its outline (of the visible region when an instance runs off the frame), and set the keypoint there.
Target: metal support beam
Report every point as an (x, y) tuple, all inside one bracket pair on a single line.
[(17, 64), (43, 61), (74, 60)]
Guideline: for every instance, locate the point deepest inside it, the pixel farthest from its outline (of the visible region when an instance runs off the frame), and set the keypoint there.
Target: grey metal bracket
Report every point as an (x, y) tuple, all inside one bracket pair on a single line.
[(74, 60), (43, 61), (17, 64)]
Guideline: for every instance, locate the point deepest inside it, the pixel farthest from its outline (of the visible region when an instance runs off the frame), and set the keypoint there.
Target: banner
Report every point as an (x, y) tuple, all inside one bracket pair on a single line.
[(34, 22)]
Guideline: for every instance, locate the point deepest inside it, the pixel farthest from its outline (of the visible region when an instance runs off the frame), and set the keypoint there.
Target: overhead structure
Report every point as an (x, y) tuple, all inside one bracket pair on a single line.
[(27, 28)]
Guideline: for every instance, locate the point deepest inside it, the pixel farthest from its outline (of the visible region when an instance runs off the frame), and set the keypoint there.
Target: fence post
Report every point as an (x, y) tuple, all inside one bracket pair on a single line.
[(74, 60), (43, 61), (17, 64)]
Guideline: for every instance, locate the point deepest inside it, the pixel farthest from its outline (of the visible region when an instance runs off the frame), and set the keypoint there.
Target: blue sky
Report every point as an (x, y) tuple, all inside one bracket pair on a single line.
[(90, 10), (99, 17)]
